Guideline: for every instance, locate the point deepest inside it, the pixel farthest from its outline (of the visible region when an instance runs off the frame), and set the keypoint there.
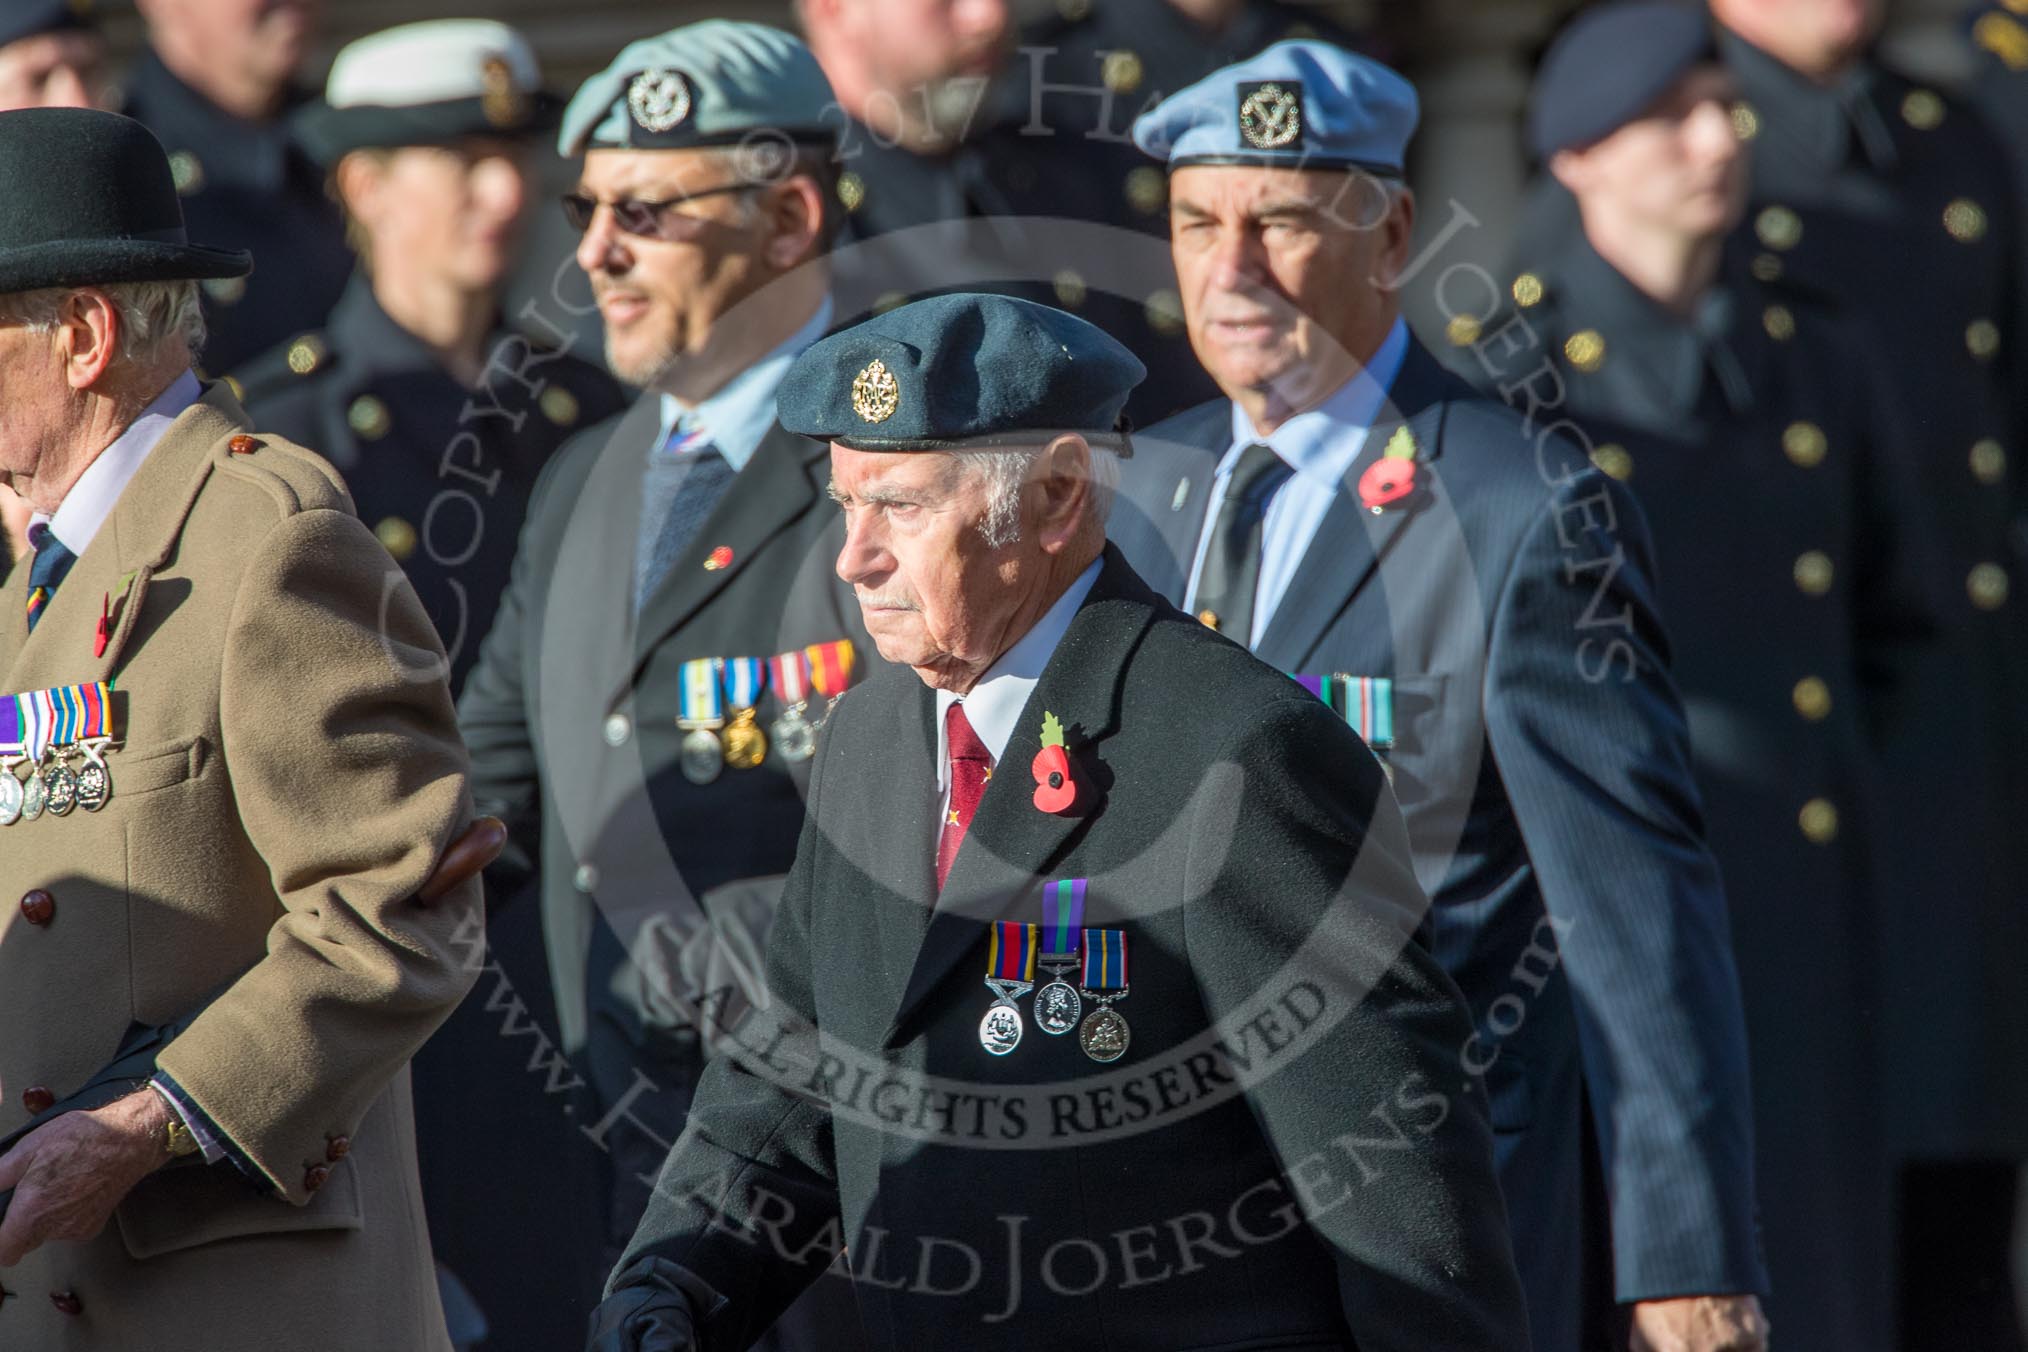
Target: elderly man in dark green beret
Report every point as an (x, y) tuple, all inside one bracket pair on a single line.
[(1263, 1138)]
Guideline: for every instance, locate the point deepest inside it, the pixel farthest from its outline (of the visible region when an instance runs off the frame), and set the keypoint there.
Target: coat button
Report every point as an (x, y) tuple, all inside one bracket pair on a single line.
[(37, 1100), (1989, 462), (1805, 444), (1208, 618), (315, 1177), (38, 907), (618, 728), (242, 445), (1813, 698), (1988, 586), (337, 1147), (586, 879), (1819, 821), (1814, 573), (67, 1302)]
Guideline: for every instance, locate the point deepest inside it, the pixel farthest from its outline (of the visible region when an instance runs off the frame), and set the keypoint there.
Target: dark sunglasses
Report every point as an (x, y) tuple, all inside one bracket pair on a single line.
[(651, 220)]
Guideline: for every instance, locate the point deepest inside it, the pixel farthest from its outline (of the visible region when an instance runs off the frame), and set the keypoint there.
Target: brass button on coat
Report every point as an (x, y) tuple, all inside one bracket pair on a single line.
[(1819, 821), (37, 1100), (337, 1148), (1814, 573), (315, 1177), (1813, 698)]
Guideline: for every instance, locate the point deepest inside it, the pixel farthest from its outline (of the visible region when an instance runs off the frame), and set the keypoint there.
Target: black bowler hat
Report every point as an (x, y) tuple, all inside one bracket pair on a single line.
[(90, 202), (427, 84), (1609, 65), (30, 18)]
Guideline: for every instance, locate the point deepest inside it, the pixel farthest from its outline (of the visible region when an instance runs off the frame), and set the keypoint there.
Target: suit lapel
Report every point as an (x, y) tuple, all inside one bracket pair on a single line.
[(1012, 845), (774, 488), (1351, 541), (110, 579), (1188, 448)]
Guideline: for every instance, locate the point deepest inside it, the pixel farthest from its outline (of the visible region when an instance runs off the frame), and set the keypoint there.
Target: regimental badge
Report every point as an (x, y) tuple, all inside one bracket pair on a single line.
[(502, 102), (875, 393), (1271, 113), (659, 100)]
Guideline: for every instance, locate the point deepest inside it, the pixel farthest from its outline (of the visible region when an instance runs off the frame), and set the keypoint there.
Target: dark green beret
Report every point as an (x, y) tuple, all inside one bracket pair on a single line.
[(961, 370)]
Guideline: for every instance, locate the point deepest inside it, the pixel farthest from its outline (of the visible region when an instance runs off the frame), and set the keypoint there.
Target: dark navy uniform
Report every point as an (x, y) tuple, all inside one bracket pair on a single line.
[(1791, 597), (247, 185), (441, 473)]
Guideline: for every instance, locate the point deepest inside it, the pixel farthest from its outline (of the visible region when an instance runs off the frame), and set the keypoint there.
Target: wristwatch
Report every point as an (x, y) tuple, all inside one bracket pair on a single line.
[(176, 1136)]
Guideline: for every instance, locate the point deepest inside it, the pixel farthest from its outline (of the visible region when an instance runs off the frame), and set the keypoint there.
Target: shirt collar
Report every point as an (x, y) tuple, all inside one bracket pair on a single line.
[(995, 703), (92, 498), (742, 411), (1316, 443)]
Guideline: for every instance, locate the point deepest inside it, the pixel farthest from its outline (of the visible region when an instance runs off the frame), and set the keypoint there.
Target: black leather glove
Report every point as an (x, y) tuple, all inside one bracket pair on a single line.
[(650, 1310), (642, 1319)]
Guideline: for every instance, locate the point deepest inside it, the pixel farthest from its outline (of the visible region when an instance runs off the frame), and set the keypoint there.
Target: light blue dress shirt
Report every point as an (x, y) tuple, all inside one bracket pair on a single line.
[(739, 414), (1321, 446)]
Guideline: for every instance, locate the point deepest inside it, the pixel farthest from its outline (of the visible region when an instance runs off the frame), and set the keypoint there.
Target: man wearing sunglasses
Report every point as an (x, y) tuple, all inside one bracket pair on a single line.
[(643, 708)]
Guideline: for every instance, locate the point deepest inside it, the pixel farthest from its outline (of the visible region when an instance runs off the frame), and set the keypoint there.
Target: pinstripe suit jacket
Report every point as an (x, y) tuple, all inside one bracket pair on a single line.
[(1542, 761)]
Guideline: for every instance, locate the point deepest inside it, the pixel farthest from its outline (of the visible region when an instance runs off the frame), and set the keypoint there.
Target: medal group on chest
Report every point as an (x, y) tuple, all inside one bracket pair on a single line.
[(719, 706), (61, 737), (1059, 945)]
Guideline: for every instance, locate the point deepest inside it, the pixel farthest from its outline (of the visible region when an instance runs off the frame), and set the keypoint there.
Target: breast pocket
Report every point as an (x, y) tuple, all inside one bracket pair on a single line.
[(150, 769)]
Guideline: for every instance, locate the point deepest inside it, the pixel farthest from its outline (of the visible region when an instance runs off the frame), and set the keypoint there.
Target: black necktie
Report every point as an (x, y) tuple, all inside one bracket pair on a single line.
[(1231, 575)]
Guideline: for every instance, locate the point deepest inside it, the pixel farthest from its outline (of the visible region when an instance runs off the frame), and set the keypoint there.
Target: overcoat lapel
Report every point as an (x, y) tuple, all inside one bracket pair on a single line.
[(1012, 846), (1351, 541), (110, 579)]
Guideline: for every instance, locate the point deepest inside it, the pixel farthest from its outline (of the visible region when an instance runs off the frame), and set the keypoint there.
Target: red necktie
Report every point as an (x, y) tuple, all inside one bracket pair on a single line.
[(971, 767)]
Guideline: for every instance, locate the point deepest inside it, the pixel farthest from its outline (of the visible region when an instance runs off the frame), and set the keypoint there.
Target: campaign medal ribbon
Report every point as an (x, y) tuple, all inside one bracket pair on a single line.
[(700, 713), (789, 674), (1010, 974), (13, 750), (44, 729), (1105, 1034), (743, 678), (831, 669), (1366, 702), (59, 781), (1057, 1006)]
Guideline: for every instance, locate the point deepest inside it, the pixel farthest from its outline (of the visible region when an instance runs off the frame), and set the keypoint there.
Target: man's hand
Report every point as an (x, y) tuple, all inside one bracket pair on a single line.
[(1700, 1324), (70, 1173)]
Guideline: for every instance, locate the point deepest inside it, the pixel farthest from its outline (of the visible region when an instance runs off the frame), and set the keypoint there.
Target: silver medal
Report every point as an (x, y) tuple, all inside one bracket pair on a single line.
[(703, 756), (795, 736), (31, 798), (10, 798), (1057, 1007), (1105, 1035), (94, 786), (1000, 1030), (59, 790)]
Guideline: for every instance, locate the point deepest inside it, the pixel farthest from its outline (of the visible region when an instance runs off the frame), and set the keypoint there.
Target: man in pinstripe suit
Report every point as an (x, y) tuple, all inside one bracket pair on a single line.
[(1358, 516)]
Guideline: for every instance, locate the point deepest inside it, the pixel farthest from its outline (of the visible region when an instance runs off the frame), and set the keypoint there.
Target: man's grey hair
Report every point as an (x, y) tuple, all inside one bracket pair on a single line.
[(155, 317), (1005, 471)]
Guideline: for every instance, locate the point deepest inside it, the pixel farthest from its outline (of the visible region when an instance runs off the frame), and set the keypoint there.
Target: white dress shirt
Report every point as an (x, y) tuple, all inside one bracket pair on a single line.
[(1321, 446), (92, 498), (995, 703)]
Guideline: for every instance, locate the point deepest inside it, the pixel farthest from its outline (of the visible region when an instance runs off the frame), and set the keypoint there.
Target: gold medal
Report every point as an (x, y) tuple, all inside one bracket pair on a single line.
[(746, 746)]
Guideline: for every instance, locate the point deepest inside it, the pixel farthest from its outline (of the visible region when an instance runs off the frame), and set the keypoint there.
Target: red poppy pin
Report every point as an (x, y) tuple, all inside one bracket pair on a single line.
[(1055, 787), (1391, 478)]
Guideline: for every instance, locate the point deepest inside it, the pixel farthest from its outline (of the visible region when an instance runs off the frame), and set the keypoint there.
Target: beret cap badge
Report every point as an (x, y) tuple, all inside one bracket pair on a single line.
[(659, 100), (1271, 113), (875, 394), (502, 103)]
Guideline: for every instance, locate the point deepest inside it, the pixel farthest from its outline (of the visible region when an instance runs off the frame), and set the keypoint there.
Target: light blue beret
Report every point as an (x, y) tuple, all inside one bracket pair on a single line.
[(712, 83), (1298, 105)]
